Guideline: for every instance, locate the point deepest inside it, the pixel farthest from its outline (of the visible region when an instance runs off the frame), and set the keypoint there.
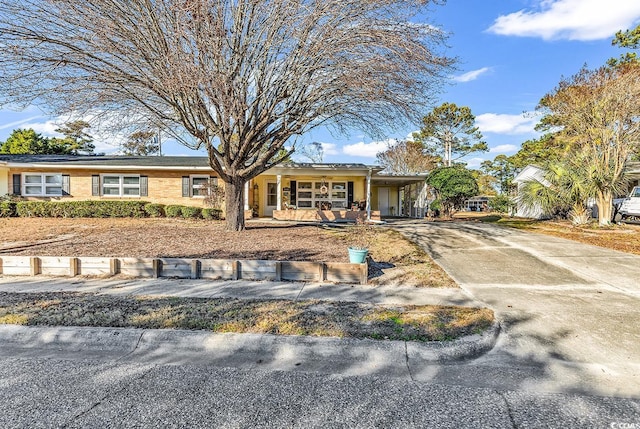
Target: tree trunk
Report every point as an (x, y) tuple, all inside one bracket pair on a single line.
[(604, 200), (234, 204)]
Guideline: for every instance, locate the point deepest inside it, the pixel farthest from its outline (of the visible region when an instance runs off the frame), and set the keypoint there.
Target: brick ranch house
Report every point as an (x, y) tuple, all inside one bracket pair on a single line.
[(292, 191)]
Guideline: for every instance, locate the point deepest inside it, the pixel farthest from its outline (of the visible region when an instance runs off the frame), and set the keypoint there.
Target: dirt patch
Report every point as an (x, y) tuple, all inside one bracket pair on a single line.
[(393, 259), (167, 238)]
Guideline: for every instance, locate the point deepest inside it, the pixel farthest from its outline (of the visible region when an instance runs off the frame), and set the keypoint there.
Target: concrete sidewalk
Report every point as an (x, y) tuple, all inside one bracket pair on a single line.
[(242, 289), (395, 359)]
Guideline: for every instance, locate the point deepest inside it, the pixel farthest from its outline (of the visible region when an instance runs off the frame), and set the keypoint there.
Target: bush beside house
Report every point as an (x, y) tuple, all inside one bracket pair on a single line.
[(102, 209)]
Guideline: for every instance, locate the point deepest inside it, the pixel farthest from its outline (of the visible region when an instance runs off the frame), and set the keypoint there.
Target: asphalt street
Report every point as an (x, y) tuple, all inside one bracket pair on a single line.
[(48, 393)]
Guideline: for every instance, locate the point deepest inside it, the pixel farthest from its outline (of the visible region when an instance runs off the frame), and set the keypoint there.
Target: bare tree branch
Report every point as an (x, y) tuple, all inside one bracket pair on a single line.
[(237, 78)]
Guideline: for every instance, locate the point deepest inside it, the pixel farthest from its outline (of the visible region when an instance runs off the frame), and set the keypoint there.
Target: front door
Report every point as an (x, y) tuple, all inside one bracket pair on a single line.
[(271, 198), (383, 201)]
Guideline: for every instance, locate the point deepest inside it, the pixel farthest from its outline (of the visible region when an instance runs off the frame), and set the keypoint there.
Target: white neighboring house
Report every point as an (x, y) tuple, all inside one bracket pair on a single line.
[(533, 172), (529, 173)]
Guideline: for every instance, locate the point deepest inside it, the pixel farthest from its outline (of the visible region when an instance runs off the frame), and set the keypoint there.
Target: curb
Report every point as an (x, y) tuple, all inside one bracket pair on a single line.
[(345, 356)]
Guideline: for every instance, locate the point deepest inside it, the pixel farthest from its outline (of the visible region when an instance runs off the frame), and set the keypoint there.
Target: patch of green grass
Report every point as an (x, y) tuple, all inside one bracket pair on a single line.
[(490, 218), (518, 223), (310, 317)]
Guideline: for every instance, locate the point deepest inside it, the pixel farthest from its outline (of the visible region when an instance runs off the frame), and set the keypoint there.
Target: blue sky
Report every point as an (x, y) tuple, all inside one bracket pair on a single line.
[(510, 54)]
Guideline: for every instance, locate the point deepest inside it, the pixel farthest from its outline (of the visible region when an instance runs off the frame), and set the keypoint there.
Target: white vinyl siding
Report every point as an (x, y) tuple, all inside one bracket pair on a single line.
[(42, 184)]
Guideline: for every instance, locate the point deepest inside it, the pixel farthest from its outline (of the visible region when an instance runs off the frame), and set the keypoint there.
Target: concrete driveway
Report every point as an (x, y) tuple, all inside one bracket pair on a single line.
[(570, 312)]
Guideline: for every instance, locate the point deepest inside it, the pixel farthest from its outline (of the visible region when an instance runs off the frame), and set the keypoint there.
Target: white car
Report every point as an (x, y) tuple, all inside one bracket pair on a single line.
[(630, 208)]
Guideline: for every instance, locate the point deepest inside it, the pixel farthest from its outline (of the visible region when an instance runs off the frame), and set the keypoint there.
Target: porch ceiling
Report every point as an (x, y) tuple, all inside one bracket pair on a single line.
[(397, 180)]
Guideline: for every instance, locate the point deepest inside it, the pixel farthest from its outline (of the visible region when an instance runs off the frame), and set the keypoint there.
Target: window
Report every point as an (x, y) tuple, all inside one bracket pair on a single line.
[(120, 186), (200, 186), (42, 184), (312, 194)]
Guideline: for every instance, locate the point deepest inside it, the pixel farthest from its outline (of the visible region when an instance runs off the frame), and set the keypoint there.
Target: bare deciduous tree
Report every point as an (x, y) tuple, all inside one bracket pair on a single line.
[(261, 71), (141, 143), (314, 152), (407, 157)]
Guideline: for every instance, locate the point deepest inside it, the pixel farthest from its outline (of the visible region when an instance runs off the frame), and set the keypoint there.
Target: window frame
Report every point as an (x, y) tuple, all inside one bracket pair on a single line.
[(121, 186), (211, 181), (314, 202), (43, 184)]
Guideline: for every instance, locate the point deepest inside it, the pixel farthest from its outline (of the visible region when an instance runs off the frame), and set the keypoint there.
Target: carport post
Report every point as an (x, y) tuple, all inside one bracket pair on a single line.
[(369, 195)]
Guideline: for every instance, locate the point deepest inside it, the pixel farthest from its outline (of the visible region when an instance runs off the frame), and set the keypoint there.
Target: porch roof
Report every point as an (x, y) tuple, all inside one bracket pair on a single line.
[(311, 169), (398, 180)]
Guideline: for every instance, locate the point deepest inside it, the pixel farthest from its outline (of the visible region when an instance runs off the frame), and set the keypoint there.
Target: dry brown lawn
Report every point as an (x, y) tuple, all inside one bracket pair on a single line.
[(310, 317), (624, 237), (394, 259)]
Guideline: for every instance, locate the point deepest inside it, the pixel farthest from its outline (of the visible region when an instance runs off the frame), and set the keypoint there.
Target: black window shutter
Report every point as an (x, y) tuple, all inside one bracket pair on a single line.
[(66, 185), (17, 185), (349, 194), (185, 186), (294, 192), (144, 186), (95, 185)]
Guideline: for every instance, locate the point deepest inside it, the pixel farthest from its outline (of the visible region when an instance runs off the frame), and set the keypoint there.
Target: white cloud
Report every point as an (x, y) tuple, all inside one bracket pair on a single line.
[(504, 148), (329, 148), (474, 163), (472, 75), (367, 150), (505, 124), (18, 124), (410, 137), (570, 19), (104, 140), (47, 128)]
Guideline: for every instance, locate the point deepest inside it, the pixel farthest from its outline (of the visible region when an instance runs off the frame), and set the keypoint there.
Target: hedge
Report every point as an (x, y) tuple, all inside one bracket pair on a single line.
[(8, 208), (173, 211), (154, 210), (212, 214), (189, 212), (103, 209), (81, 209)]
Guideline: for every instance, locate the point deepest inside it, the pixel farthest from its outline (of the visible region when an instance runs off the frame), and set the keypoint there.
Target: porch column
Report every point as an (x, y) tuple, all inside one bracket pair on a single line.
[(279, 192), (369, 195), (411, 207), (246, 196)]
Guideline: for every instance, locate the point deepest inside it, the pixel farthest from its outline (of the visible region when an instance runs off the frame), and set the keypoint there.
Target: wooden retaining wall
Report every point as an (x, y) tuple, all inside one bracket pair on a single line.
[(222, 269)]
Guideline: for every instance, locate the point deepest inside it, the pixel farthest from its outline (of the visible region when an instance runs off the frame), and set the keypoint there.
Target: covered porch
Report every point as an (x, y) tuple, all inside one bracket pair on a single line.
[(313, 192)]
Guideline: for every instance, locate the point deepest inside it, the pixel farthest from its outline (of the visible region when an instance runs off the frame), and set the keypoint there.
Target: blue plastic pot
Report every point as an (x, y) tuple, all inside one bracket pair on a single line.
[(358, 256)]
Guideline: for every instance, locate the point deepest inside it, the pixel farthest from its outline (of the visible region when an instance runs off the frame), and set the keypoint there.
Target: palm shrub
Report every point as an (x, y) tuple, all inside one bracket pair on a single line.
[(563, 191)]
